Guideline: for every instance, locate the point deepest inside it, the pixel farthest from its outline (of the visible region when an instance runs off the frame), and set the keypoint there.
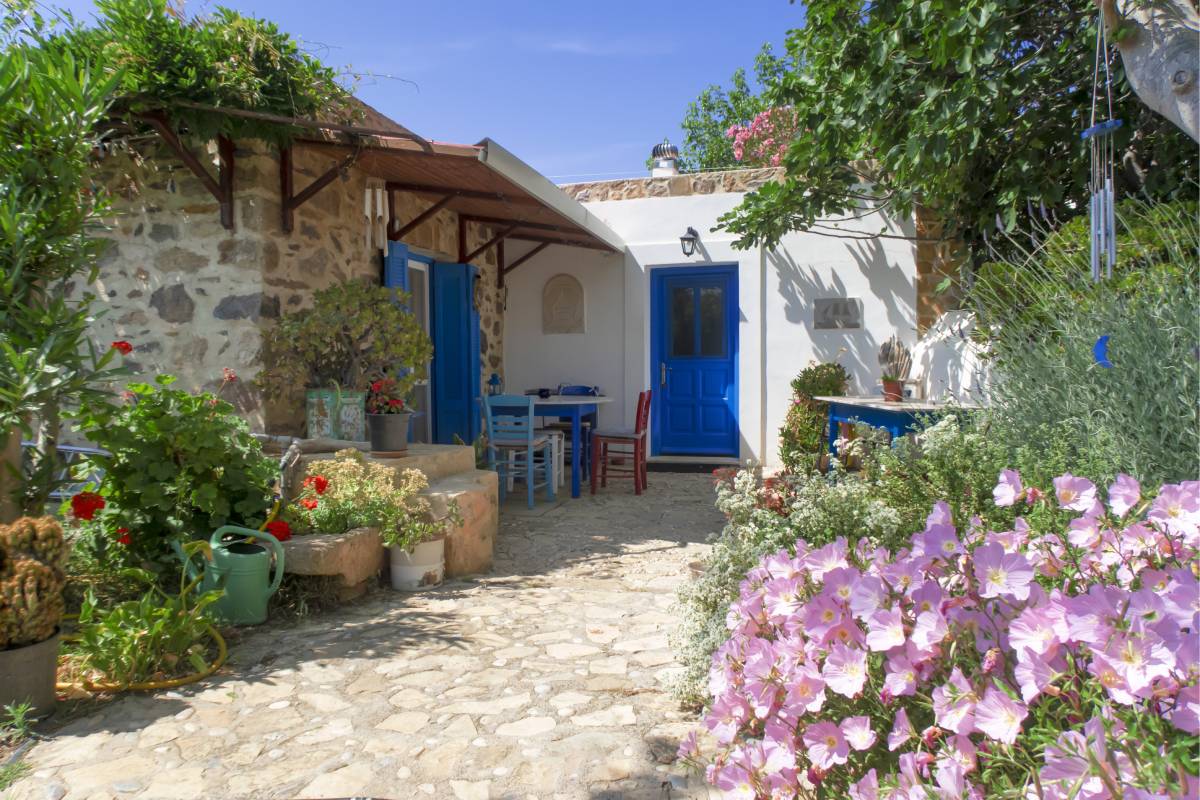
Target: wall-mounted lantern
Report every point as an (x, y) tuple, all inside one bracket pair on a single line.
[(688, 241)]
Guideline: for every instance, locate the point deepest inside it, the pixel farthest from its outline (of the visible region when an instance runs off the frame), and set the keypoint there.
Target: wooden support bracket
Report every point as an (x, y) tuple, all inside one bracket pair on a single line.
[(499, 237), (221, 187), (417, 220), (288, 201), (522, 259), (462, 240)]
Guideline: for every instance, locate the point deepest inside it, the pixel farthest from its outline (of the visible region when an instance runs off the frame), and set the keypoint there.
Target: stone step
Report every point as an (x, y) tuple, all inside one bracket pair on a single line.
[(437, 461), (469, 546)]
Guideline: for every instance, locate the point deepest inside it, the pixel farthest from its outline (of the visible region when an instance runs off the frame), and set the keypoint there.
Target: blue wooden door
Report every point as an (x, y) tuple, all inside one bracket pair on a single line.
[(694, 341), (455, 368)]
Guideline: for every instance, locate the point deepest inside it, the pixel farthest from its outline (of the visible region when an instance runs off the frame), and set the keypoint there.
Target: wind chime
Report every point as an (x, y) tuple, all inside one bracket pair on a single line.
[(376, 213), (1101, 210)]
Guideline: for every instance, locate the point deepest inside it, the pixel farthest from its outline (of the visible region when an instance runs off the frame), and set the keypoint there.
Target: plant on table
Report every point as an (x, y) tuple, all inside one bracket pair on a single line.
[(802, 437), (349, 492), (895, 360), (1055, 659), (176, 466), (386, 397)]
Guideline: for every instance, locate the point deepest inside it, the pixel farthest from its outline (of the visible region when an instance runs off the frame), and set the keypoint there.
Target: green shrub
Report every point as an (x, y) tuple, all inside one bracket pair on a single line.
[(802, 437), (178, 466), (155, 637), (163, 57), (763, 518), (1044, 318)]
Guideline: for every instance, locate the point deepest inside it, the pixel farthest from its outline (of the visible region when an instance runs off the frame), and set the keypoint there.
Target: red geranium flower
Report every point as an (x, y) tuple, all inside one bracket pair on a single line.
[(228, 375), (319, 483), (377, 386), (123, 536), (395, 402), (279, 529), (85, 505), (123, 347), (309, 503)]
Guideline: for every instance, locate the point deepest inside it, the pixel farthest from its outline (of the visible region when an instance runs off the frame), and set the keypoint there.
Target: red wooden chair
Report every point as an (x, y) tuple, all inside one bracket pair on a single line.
[(614, 449)]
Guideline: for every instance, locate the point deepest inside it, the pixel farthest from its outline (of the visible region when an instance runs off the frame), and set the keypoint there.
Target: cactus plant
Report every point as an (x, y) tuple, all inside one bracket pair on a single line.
[(33, 557), (895, 360)]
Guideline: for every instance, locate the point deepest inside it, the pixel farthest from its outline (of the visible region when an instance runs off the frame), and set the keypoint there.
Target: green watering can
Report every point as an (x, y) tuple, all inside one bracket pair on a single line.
[(243, 569)]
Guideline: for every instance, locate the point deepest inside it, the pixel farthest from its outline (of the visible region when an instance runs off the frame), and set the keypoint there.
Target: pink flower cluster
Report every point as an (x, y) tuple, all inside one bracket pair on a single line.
[(765, 140), (1017, 656)]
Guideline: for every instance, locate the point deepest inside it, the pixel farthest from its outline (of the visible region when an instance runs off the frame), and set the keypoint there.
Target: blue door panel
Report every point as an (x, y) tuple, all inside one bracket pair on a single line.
[(694, 323), (455, 367)]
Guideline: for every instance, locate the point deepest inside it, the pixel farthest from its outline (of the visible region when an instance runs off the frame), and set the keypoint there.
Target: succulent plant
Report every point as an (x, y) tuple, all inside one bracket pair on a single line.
[(895, 360), (33, 557)]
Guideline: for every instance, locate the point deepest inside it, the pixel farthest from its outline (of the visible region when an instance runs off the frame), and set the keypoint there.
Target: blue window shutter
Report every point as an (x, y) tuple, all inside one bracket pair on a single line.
[(395, 267), (456, 364)]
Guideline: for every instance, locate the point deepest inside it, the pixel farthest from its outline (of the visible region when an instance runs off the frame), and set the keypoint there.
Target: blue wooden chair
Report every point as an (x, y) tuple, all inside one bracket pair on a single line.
[(515, 449)]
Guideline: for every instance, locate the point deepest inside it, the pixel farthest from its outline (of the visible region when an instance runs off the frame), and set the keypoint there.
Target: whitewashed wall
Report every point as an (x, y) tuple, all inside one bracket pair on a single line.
[(776, 290)]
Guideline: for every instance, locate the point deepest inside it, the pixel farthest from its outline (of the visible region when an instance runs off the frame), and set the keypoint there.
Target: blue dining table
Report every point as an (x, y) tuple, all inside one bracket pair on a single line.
[(574, 408)]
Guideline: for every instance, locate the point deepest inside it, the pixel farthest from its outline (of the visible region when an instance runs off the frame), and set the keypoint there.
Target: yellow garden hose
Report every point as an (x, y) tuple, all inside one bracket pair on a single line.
[(147, 686)]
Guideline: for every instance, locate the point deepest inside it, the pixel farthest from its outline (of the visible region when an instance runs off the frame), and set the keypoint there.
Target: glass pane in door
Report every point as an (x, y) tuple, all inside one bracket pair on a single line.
[(712, 321), (683, 321)]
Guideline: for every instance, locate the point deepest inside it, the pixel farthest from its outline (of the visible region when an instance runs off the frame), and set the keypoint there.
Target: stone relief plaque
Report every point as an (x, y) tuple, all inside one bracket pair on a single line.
[(837, 313), (562, 305)]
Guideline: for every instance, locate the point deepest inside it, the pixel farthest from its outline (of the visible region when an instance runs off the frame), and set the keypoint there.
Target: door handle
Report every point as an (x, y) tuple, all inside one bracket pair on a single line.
[(662, 373)]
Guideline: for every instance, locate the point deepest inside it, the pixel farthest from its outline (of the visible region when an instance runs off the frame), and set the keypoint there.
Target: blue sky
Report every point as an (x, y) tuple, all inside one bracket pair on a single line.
[(577, 89)]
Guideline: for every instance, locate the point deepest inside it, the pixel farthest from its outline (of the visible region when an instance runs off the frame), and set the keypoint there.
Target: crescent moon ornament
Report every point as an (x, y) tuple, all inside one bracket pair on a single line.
[(1100, 352)]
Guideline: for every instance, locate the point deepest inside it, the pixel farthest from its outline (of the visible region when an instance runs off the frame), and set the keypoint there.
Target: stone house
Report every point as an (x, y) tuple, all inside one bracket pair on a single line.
[(210, 242), (625, 285)]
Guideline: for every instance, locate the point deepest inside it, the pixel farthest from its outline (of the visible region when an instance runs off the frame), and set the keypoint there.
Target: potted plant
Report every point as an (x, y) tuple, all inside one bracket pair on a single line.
[(896, 361), (353, 334), (387, 417), (351, 495), (33, 557)]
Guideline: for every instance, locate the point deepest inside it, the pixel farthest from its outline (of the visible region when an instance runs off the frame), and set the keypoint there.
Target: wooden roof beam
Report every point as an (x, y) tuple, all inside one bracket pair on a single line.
[(499, 237), (522, 259), (289, 202), (524, 237), (396, 235), (221, 187)]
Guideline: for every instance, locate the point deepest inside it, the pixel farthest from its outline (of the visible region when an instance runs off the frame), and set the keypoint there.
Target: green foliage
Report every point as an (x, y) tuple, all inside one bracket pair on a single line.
[(179, 466), (709, 116), (348, 492), (51, 108), (353, 334), (972, 109), (802, 437), (227, 60), (158, 636), (17, 724), (765, 517), (1044, 317), (33, 556)]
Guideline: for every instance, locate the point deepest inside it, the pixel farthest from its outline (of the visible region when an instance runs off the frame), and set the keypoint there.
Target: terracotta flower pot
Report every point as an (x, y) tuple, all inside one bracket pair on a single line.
[(893, 391)]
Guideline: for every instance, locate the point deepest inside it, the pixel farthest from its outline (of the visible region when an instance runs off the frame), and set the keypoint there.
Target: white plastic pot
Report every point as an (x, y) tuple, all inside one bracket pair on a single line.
[(421, 567)]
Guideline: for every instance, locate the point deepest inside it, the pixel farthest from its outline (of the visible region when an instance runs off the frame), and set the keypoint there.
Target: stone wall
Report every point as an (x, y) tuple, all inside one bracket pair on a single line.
[(192, 297), (737, 180)]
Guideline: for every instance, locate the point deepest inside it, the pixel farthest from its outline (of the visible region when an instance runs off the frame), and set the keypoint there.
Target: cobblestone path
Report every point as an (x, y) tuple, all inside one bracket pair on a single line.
[(543, 679)]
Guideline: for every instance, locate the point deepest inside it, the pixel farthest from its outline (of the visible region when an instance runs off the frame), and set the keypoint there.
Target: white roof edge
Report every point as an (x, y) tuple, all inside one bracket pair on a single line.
[(514, 169)]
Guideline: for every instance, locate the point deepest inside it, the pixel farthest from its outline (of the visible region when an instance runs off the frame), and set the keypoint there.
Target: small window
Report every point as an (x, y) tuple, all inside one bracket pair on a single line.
[(683, 321), (712, 321)]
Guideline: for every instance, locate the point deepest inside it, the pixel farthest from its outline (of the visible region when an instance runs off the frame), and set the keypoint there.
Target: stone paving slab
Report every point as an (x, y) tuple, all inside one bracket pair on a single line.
[(544, 679)]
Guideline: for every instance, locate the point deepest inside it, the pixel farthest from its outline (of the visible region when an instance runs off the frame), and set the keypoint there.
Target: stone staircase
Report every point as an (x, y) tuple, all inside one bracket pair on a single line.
[(452, 476), (450, 470)]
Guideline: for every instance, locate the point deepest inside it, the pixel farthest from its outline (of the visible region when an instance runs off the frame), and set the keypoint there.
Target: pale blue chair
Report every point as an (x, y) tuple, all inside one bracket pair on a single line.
[(515, 449)]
